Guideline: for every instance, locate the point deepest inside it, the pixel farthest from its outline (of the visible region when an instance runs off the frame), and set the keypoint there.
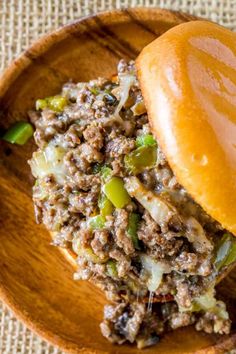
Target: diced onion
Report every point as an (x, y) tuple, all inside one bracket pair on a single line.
[(126, 81), (49, 161), (196, 235), (158, 208), (156, 271), (87, 253), (208, 303)]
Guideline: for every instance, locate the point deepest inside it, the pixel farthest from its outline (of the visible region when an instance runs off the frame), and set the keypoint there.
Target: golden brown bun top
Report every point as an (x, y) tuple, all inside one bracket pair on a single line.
[(188, 80)]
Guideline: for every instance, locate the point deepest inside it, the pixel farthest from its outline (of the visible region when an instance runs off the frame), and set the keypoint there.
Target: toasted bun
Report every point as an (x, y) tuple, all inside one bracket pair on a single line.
[(188, 80)]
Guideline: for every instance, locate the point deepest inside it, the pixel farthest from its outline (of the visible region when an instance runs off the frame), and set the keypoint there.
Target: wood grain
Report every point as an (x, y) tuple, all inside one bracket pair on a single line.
[(35, 278)]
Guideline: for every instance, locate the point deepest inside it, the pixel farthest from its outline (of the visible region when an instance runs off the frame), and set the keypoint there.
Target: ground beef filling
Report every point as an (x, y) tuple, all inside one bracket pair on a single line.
[(104, 188)]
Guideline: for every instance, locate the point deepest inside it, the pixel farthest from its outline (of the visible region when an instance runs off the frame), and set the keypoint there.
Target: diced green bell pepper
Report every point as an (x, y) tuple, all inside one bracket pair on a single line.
[(132, 229), (112, 269), (91, 256), (144, 157), (55, 103), (19, 133), (232, 254), (87, 253), (115, 191), (106, 173), (105, 205), (41, 104), (95, 91), (97, 222), (145, 140), (225, 251)]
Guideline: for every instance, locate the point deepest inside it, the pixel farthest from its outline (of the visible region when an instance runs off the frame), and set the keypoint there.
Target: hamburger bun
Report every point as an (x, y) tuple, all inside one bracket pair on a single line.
[(188, 80)]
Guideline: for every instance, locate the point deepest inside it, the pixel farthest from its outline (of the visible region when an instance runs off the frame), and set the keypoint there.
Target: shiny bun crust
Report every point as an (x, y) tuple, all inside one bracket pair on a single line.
[(188, 81)]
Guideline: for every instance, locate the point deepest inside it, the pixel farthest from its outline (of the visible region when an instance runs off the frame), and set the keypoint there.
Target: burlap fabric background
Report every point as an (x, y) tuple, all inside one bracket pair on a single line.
[(22, 22)]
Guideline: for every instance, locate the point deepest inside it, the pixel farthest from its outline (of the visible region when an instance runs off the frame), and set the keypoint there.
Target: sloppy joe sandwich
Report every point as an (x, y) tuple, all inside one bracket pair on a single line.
[(135, 175)]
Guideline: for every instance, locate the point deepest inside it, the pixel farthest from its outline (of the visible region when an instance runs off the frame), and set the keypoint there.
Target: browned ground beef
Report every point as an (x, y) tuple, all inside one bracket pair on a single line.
[(157, 275)]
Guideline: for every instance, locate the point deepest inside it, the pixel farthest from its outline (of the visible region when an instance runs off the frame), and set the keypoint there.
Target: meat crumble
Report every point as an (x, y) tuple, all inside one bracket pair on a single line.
[(105, 190)]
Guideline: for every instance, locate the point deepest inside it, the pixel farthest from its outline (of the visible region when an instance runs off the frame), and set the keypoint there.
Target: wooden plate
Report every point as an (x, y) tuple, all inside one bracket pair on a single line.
[(35, 279)]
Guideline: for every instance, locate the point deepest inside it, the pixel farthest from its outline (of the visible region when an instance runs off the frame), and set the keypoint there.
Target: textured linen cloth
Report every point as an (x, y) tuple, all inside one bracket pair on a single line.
[(21, 23)]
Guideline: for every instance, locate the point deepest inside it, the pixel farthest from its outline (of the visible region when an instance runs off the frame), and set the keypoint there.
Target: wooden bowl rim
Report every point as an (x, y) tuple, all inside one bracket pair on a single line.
[(8, 76), (16, 67)]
